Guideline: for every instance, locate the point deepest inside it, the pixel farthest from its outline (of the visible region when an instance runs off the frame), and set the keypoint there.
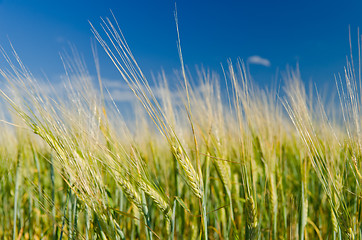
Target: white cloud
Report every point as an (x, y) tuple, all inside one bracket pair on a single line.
[(120, 96), (259, 61), (114, 83), (114, 89)]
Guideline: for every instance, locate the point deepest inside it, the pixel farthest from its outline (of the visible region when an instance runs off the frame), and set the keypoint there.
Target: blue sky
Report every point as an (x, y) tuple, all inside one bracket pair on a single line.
[(312, 33)]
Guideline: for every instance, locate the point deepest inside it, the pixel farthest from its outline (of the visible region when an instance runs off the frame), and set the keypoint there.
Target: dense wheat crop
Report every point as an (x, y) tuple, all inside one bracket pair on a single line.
[(204, 162)]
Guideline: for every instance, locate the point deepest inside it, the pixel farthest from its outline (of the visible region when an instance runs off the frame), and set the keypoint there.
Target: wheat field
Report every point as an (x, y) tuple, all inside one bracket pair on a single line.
[(202, 162)]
